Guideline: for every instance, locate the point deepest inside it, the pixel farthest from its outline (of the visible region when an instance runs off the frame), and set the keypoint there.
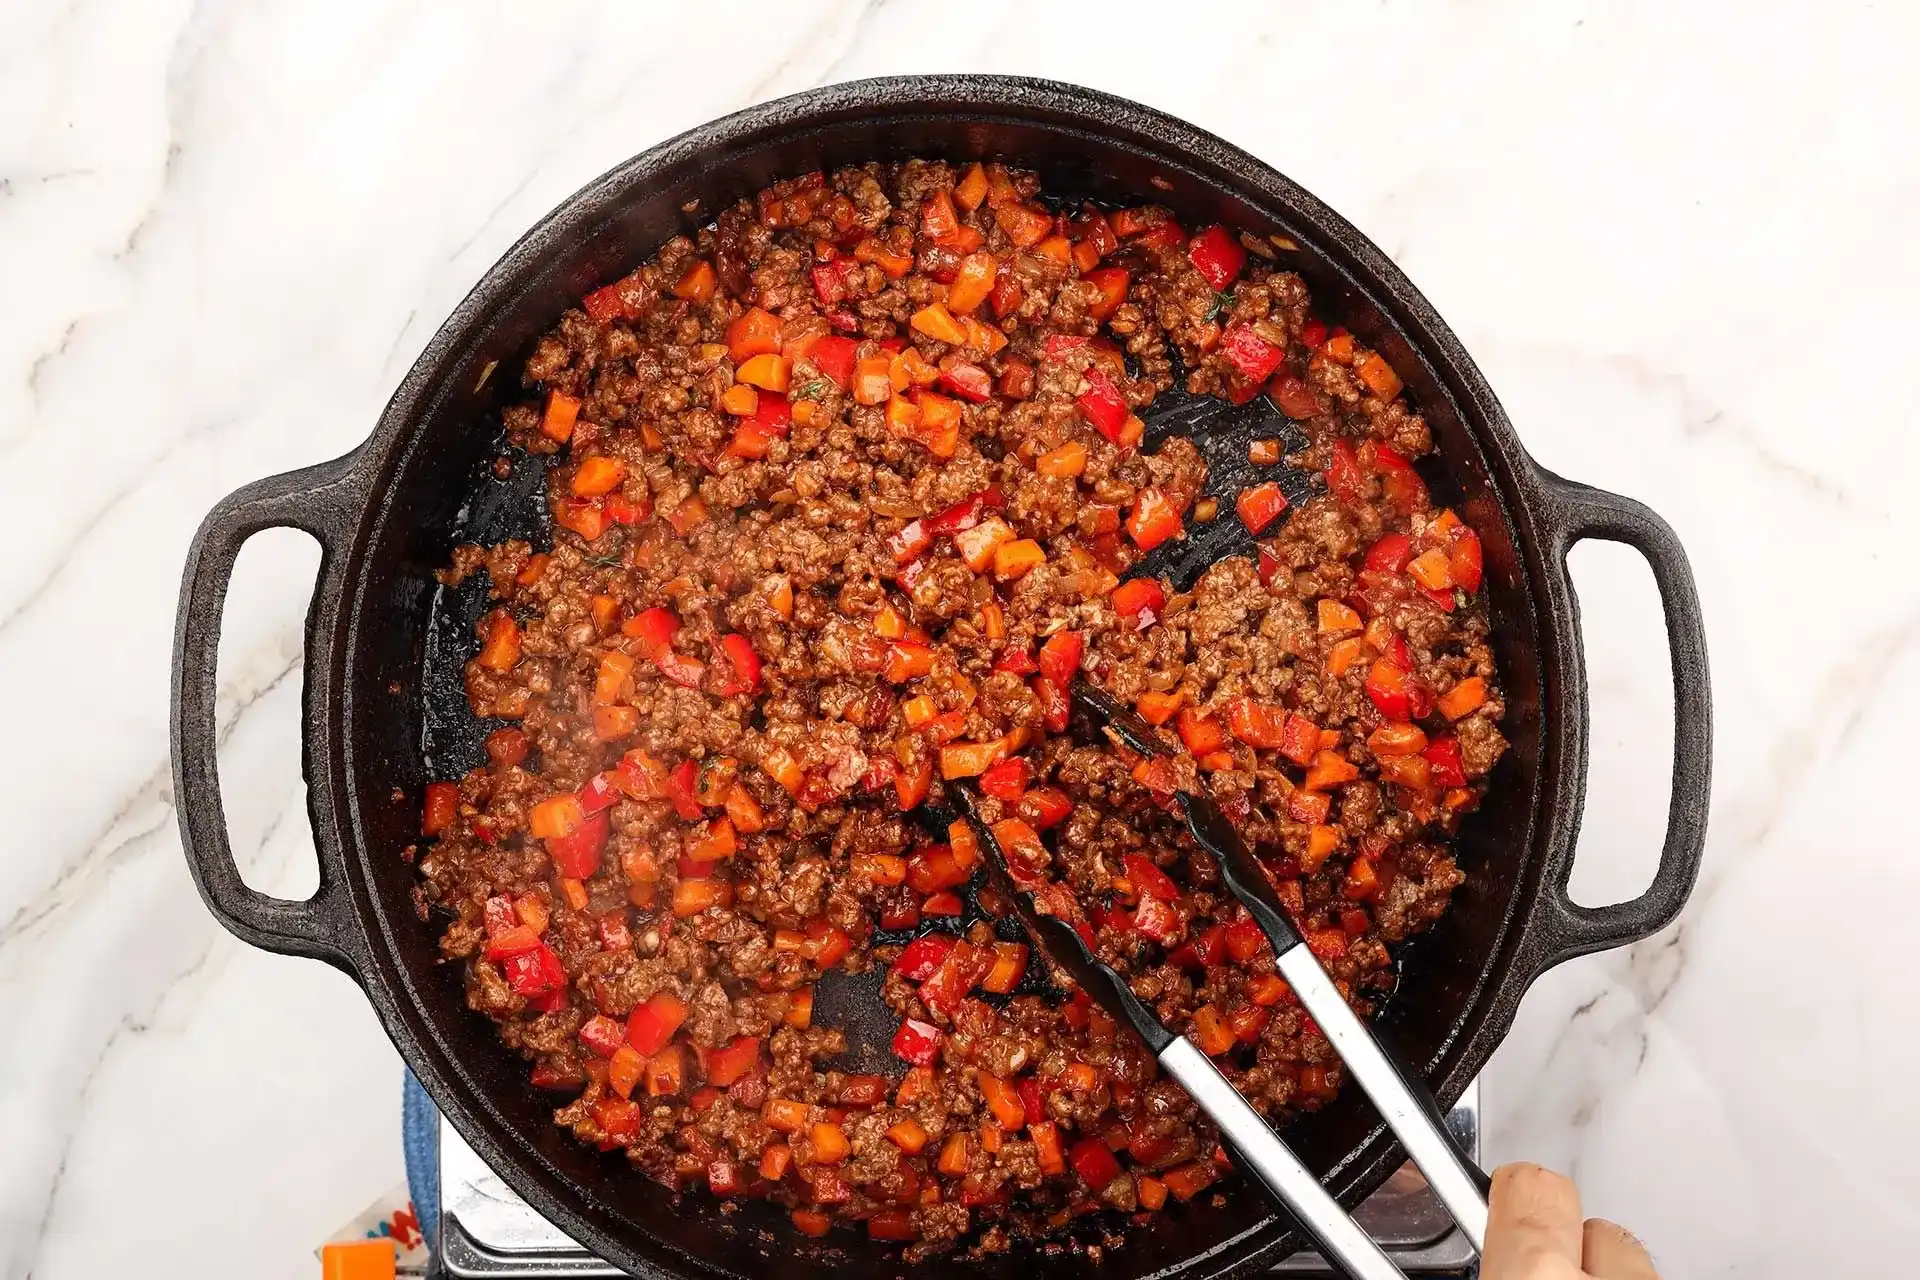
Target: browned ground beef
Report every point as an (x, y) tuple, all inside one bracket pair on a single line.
[(758, 641)]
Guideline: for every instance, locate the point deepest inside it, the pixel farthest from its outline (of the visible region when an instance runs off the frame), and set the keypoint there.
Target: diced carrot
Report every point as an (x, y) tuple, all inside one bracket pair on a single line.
[(784, 1114), (775, 1160), (1014, 559), (972, 285), (909, 1135), (872, 381), (953, 1156), (1322, 840), (1211, 1032), (971, 190), (1003, 1100), (755, 333), (799, 1008), (1463, 699), (1070, 459), (1189, 1180), (697, 284), (1379, 376), (830, 1145), (500, 646), (1336, 618), (811, 1222), (1343, 655), (1151, 1191), (598, 475), (556, 423), (740, 400), (767, 371), (1158, 708), (1330, 769), (938, 323)]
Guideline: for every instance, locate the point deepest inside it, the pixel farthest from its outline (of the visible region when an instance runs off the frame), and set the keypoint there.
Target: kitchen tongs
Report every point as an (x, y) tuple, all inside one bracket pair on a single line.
[(1406, 1105), (1409, 1109)]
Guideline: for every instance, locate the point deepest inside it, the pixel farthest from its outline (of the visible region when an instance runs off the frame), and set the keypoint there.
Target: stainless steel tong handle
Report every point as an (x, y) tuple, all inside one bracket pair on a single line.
[(1340, 1239), (1407, 1108)]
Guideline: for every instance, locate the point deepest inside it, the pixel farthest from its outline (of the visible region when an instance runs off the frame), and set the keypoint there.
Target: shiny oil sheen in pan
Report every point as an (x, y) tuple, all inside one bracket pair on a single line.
[(386, 518)]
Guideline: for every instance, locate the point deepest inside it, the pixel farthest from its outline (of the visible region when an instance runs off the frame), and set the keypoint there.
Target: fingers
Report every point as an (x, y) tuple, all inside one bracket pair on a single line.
[(1609, 1252), (1533, 1230)]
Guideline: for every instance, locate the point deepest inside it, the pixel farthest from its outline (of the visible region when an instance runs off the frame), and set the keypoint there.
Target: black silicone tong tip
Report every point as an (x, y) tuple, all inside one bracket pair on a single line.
[(1063, 945), (1205, 820)]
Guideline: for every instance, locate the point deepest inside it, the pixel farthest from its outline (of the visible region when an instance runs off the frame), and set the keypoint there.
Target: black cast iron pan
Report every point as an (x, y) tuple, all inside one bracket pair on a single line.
[(388, 514)]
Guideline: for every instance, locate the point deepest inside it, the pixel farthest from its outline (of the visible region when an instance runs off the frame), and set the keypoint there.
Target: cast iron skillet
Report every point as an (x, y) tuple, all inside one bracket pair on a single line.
[(387, 515)]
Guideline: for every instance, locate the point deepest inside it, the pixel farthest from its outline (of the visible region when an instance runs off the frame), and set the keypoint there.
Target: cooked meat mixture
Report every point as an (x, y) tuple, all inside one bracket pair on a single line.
[(847, 489)]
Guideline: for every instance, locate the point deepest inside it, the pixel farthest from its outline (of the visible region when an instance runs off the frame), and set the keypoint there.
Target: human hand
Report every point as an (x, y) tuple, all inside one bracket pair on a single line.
[(1535, 1233)]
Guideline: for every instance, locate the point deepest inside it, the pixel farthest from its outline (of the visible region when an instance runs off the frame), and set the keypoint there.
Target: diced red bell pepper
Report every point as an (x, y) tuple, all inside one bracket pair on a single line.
[(745, 663), (1018, 661), (1295, 398), (1138, 595), (1391, 554), (1251, 355), (1464, 559), (1148, 880), (1256, 723), (1388, 687), (944, 903), (599, 792), (1245, 940), (1445, 766), (1401, 483), (578, 855), (919, 958), (682, 783), (958, 518), (833, 356), (602, 1035), (1216, 254), (1153, 520), (1094, 1161), (831, 279), (1055, 706), (1211, 945), (917, 1043), (1103, 406), (732, 1061), (1260, 506), (512, 941), (679, 668), (1060, 656), (535, 973), (1027, 1088), (909, 542), (968, 381), (652, 1023), (954, 977), (1044, 807), (1007, 780), (1112, 284), (1158, 919), (1344, 477), (654, 628), (621, 300)]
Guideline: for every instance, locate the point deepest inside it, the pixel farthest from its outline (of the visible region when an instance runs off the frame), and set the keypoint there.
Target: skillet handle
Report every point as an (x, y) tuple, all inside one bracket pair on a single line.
[(1578, 512), (322, 500)]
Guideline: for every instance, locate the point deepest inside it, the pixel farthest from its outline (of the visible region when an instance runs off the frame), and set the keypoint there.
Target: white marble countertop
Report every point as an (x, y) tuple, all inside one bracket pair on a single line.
[(1676, 237)]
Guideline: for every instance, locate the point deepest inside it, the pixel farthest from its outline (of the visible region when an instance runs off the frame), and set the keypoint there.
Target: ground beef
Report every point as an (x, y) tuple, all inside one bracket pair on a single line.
[(846, 488)]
